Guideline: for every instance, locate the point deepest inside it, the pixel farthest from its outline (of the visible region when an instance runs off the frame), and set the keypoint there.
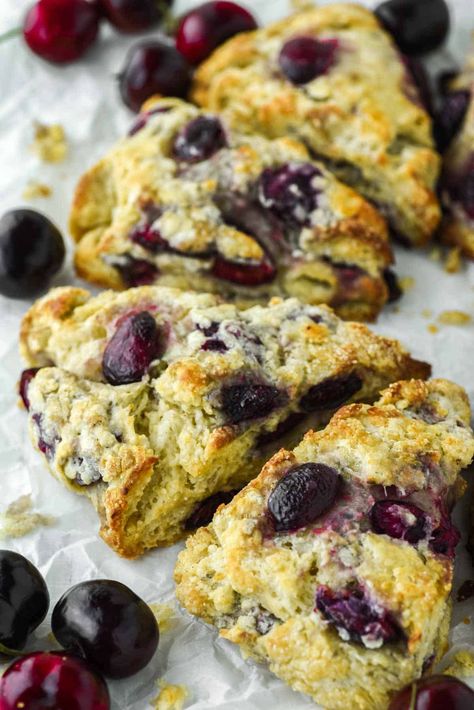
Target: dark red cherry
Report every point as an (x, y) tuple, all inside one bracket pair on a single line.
[(244, 274), (248, 401), (417, 26), (24, 599), (61, 30), (107, 624), (438, 692), (400, 520), (52, 681), (289, 192), (137, 272), (134, 345), (134, 15), (209, 25), (331, 392), (31, 253), (199, 139), (153, 67), (445, 538), (302, 59), (394, 290), (25, 379), (355, 617), (303, 494), (204, 511), (450, 116)]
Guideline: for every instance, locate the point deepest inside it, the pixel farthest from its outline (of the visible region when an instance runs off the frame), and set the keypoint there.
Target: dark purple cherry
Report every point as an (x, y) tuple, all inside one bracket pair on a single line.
[(355, 618), (244, 274), (445, 538), (303, 494), (450, 116), (134, 15), (204, 511), (400, 520), (153, 67), (417, 26), (241, 403), (302, 59), (25, 379), (134, 345), (107, 624), (209, 25), (149, 238), (393, 285), (137, 272), (465, 192), (331, 392), (52, 681), (24, 600), (214, 345), (438, 692), (284, 427), (289, 192), (31, 252), (199, 139)]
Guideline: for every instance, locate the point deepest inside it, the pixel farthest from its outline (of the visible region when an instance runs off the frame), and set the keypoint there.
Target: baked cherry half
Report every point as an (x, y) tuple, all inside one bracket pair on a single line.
[(331, 392), (199, 139), (249, 400), (25, 379), (400, 520), (136, 342), (303, 494), (289, 192), (302, 59)]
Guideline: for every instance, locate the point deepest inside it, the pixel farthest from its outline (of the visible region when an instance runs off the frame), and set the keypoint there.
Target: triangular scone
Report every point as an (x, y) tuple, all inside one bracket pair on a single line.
[(361, 113), (183, 201), (208, 392), (355, 604), (457, 182)]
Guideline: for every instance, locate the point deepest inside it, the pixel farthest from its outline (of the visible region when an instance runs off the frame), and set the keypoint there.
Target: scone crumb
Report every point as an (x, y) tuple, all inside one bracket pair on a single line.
[(461, 665), (432, 328), (50, 142), (407, 283), (453, 261), (426, 313), (35, 190), (435, 254), (171, 697), (19, 520), (454, 318), (163, 613)]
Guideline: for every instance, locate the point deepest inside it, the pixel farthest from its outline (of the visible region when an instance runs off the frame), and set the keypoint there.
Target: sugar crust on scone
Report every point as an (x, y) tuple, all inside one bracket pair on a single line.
[(363, 115), (147, 453), (260, 587), (205, 211)]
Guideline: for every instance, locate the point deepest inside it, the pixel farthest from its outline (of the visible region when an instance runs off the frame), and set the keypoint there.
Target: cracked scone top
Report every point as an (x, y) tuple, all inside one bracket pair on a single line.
[(350, 98), (335, 564), (457, 180), (183, 201), (153, 401)]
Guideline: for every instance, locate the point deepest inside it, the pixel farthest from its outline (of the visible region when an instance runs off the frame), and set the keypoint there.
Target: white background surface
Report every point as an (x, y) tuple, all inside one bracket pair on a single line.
[(84, 98)]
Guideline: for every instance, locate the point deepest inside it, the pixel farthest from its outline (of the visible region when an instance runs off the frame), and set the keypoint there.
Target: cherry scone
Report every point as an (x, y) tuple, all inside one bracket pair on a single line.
[(333, 78), (184, 201), (335, 565), (155, 403)]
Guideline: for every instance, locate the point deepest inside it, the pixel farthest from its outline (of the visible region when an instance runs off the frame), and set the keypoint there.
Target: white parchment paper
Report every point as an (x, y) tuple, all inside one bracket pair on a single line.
[(83, 97)]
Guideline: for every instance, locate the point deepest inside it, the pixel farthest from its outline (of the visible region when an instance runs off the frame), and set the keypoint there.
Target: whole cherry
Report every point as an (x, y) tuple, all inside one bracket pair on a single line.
[(134, 15), (438, 692), (61, 31)]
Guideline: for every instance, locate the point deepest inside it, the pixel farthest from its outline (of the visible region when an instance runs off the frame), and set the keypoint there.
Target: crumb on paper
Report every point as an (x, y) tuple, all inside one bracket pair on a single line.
[(466, 620), (170, 697), (432, 328), (453, 261), (407, 283), (50, 142), (435, 254), (163, 613), (35, 190), (426, 313), (454, 318), (19, 519), (300, 5), (461, 665)]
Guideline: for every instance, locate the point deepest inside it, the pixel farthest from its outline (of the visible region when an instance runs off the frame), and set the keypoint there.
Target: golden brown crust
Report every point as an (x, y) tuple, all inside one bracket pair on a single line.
[(363, 116)]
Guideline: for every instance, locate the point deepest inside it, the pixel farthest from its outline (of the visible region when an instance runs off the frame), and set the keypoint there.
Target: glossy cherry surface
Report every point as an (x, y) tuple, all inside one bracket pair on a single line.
[(331, 392), (199, 139), (24, 599), (134, 15), (450, 116), (153, 67), (135, 344), (61, 30), (302, 59), (417, 26), (207, 26), (52, 681), (107, 624), (249, 400), (438, 692), (25, 378), (31, 252)]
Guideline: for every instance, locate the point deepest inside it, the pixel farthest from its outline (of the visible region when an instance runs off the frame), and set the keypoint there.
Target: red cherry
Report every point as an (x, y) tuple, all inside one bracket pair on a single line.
[(209, 25), (40, 681), (134, 15), (244, 274), (61, 30), (438, 692)]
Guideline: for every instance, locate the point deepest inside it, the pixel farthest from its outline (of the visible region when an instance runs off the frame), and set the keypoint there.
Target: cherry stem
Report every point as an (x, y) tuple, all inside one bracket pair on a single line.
[(11, 33)]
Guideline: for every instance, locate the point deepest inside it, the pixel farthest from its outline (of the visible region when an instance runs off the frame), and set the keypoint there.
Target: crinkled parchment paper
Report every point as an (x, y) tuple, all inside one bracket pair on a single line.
[(83, 97)]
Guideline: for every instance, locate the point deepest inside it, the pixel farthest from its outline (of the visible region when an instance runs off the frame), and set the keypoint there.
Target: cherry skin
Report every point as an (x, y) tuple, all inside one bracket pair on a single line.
[(417, 26), (134, 15), (31, 252), (438, 692), (136, 342), (49, 681), (154, 67), (25, 379), (209, 25), (302, 59), (61, 31)]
